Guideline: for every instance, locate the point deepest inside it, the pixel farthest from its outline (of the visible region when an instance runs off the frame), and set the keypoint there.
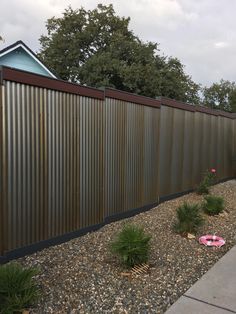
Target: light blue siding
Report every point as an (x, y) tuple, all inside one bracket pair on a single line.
[(20, 59)]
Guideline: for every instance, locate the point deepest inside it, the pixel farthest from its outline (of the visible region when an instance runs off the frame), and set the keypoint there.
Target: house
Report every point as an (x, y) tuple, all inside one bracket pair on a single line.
[(20, 56)]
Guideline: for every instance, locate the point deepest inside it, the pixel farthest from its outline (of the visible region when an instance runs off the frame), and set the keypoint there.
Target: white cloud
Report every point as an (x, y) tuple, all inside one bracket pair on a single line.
[(221, 44)]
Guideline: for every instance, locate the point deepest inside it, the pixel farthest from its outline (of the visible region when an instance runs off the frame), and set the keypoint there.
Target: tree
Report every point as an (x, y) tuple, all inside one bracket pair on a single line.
[(96, 48), (78, 35), (128, 65), (176, 84), (221, 95)]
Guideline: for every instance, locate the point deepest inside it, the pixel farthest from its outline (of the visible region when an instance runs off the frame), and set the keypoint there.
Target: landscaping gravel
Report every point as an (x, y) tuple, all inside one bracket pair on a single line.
[(81, 276)]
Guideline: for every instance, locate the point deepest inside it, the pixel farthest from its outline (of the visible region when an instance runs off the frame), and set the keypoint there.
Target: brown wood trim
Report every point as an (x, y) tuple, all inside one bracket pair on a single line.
[(195, 108), (207, 110), (129, 97), (233, 115), (177, 104), (28, 78), (19, 76), (215, 112), (227, 114)]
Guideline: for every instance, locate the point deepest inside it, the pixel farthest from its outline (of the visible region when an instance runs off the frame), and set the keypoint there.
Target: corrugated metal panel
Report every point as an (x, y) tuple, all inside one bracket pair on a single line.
[(151, 155), (91, 165), (131, 156), (234, 147), (191, 143), (177, 151), (188, 146), (52, 138), (166, 139), (220, 147), (1, 172), (70, 161), (197, 147)]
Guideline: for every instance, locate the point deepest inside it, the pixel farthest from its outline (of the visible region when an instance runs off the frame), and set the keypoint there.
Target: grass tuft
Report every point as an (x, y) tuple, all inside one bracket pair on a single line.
[(131, 245)]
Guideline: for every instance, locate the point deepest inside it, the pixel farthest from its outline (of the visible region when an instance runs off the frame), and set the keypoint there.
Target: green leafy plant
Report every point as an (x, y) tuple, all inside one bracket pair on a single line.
[(203, 188), (189, 218), (213, 205), (17, 288), (207, 181), (131, 245)]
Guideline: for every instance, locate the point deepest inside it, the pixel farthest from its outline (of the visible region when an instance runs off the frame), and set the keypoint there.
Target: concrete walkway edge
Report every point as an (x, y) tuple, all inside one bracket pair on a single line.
[(214, 292)]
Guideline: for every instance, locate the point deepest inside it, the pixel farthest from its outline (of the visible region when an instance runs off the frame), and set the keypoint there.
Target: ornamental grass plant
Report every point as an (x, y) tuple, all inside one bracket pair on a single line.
[(18, 290), (189, 218), (131, 245), (213, 205)]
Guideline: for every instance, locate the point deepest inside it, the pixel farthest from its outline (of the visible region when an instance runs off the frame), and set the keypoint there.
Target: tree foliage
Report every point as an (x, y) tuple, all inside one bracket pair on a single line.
[(97, 48), (176, 84), (78, 35), (221, 96)]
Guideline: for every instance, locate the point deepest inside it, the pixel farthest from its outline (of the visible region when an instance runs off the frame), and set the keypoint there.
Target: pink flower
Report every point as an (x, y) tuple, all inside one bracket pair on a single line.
[(213, 170)]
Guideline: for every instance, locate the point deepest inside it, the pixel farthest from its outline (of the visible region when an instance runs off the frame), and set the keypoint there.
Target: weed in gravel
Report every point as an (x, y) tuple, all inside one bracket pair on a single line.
[(189, 218), (213, 205), (17, 288), (131, 245)]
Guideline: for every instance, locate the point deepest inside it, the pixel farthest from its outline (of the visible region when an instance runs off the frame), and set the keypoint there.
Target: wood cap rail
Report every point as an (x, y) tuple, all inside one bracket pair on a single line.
[(33, 79), (130, 97), (195, 108), (20, 76)]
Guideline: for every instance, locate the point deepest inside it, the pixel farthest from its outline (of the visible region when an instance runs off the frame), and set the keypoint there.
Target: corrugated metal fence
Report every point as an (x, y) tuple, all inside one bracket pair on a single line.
[(193, 139), (72, 156)]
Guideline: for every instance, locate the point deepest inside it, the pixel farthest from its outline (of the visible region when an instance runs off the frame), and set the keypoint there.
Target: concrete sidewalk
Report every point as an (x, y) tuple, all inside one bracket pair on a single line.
[(214, 293)]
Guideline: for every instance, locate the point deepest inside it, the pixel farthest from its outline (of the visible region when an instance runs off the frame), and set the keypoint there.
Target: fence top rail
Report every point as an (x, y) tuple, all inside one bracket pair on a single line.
[(177, 104), (28, 78), (130, 97), (33, 79), (195, 108)]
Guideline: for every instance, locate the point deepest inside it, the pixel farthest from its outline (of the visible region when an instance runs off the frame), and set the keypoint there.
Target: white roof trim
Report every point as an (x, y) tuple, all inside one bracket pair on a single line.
[(36, 59)]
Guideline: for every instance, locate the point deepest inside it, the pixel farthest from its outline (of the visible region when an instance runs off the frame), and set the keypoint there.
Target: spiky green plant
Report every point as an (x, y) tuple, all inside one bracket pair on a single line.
[(203, 187), (189, 218), (17, 288), (209, 178), (213, 205), (132, 245)]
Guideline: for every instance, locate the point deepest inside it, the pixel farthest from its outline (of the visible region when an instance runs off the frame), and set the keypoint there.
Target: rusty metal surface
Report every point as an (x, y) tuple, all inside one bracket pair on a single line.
[(1, 173), (131, 156), (70, 161), (191, 143), (54, 171), (234, 147)]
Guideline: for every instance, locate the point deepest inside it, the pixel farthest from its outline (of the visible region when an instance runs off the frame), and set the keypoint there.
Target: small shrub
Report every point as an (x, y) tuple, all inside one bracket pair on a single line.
[(17, 288), (189, 218), (207, 181), (213, 205), (131, 245)]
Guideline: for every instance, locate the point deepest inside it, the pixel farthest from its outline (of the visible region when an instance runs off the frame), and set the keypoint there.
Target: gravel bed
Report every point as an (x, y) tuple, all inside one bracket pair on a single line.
[(81, 276)]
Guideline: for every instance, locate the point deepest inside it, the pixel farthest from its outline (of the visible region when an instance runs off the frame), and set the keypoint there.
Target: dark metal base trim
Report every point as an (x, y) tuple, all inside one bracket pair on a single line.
[(17, 253), (27, 250)]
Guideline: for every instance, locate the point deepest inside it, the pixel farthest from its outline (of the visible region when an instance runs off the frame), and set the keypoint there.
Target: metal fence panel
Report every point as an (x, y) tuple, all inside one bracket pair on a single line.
[(69, 160), (131, 156), (2, 203), (190, 143), (47, 196)]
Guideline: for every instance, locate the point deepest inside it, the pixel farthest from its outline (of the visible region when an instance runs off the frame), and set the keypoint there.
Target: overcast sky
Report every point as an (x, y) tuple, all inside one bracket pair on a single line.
[(201, 33)]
